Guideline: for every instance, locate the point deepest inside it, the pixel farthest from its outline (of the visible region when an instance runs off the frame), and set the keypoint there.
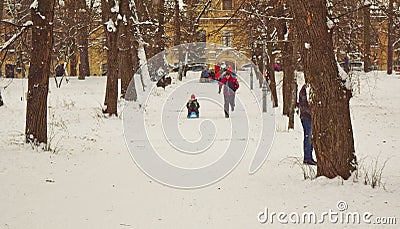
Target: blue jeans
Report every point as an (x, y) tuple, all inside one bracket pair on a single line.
[(307, 143)]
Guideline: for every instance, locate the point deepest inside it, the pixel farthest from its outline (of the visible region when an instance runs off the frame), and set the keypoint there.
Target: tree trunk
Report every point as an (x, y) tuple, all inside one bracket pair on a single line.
[(84, 69), (141, 52), (271, 75), (111, 30), (39, 72), (367, 39), (289, 83), (177, 38), (1, 9), (160, 32), (331, 125), (126, 65), (390, 39), (73, 70)]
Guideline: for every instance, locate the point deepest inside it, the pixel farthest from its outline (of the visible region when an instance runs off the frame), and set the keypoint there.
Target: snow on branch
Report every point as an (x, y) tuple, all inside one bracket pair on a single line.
[(34, 5), (15, 36), (111, 26)]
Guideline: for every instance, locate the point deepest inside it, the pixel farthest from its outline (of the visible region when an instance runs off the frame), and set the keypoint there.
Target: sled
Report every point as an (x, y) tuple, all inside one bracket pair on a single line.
[(193, 115)]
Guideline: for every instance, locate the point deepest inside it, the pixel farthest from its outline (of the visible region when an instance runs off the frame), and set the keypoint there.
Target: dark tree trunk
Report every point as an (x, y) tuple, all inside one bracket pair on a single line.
[(39, 72), (367, 39), (331, 125), (84, 69), (390, 39), (125, 40), (73, 70), (160, 43), (111, 31), (271, 75), (289, 83), (1, 9)]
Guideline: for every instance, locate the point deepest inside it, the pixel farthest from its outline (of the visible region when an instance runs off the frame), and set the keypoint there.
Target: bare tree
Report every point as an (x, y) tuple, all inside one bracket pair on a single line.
[(331, 123), (83, 20), (125, 46), (109, 15), (367, 38), (38, 79)]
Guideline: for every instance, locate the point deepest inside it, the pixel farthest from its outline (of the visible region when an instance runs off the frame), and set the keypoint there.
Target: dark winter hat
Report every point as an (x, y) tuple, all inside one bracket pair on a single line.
[(193, 96)]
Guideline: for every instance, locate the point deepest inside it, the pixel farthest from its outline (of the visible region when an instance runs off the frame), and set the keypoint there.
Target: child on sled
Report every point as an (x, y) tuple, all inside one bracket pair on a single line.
[(193, 107)]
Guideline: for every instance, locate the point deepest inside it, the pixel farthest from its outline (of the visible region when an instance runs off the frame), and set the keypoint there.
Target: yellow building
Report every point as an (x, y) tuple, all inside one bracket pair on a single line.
[(221, 25)]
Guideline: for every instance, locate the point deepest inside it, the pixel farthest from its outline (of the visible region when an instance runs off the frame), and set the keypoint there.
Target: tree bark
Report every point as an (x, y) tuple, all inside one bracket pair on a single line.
[(111, 30), (177, 37), (289, 83), (73, 70), (160, 43), (125, 40), (1, 9), (367, 39), (84, 69), (390, 39), (331, 124), (39, 72), (271, 75)]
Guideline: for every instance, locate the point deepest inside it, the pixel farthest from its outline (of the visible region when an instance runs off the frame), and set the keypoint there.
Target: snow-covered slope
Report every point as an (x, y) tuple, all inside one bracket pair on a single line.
[(92, 182)]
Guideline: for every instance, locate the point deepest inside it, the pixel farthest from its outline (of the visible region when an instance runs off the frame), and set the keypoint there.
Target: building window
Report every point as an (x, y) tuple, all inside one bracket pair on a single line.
[(227, 38), (226, 4)]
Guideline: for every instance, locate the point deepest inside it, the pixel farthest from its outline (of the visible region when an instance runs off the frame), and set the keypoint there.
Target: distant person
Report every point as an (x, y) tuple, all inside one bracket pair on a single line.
[(230, 85), (193, 106), (217, 69), (212, 74), (60, 71), (1, 99), (305, 116), (205, 73)]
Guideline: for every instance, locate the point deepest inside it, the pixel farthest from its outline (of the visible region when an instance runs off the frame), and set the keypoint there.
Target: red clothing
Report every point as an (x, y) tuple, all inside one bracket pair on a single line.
[(230, 85), (217, 73)]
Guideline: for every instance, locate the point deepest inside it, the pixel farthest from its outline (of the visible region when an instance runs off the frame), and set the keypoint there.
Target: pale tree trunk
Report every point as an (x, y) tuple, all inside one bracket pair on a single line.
[(84, 69), (331, 124), (125, 44), (367, 38), (141, 52), (111, 30), (39, 72), (177, 37), (390, 39)]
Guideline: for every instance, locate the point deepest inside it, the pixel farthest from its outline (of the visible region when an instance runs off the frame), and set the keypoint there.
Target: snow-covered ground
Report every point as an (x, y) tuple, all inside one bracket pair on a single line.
[(91, 181)]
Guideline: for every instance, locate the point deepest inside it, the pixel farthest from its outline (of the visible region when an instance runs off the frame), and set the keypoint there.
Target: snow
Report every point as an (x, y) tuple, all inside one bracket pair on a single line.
[(111, 26), (34, 5), (92, 182), (28, 23), (181, 4), (329, 23), (115, 8)]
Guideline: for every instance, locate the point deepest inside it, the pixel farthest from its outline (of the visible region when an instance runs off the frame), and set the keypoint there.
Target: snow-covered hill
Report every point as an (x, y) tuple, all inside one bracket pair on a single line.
[(91, 180)]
